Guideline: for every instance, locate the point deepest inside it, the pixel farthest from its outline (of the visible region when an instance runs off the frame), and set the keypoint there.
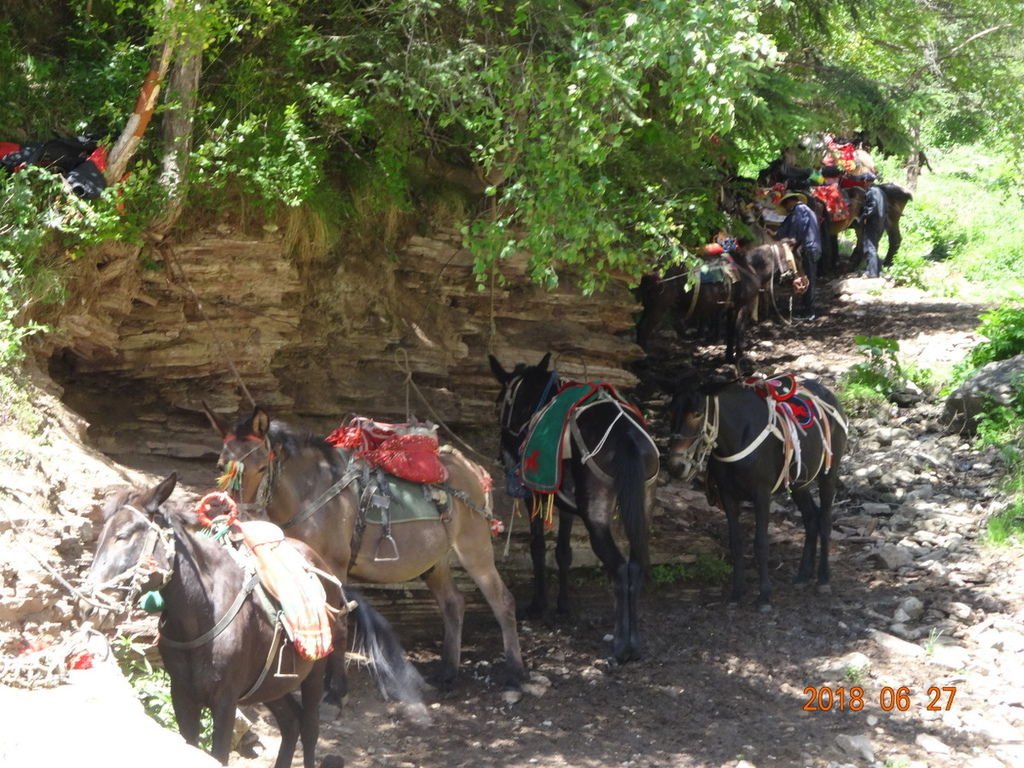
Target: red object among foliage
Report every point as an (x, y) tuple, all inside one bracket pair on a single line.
[(79, 660), (99, 158), (6, 147)]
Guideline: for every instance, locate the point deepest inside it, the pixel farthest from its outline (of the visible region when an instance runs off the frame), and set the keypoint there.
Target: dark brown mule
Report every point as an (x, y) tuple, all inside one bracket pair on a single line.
[(610, 469), (309, 491), (751, 453), (681, 296), (220, 645)]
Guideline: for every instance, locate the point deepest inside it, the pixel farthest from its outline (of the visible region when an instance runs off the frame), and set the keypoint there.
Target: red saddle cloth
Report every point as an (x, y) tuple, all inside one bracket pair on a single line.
[(791, 400), (408, 451), (836, 205)]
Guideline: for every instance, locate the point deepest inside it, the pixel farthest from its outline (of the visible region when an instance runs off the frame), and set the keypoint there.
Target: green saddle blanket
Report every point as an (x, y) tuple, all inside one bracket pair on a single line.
[(404, 501), (407, 501), (543, 448)]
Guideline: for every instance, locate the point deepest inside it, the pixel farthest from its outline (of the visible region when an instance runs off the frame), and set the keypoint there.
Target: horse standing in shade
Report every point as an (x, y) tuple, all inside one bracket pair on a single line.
[(220, 637), (896, 199), (682, 296), (758, 438), (312, 490), (611, 464)]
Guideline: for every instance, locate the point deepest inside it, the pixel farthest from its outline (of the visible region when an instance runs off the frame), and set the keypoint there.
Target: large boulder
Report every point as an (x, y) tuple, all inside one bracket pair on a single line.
[(997, 383)]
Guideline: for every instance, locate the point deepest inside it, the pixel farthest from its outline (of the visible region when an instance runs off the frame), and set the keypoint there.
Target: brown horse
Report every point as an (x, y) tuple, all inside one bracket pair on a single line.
[(734, 292), (220, 642), (313, 491)]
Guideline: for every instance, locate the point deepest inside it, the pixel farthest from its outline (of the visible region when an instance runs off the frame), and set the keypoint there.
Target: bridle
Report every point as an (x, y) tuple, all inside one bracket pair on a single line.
[(702, 440), (234, 473), (145, 566), (506, 406)]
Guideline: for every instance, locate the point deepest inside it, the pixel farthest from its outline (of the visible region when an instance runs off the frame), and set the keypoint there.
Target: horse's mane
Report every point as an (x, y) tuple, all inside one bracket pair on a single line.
[(292, 441)]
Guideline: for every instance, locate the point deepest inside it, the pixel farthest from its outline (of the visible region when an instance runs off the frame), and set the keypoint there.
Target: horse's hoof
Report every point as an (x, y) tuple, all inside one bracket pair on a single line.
[(764, 607), (824, 589)]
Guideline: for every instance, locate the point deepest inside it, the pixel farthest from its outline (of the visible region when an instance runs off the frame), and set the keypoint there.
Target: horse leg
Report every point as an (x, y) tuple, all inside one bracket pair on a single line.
[(539, 603), (287, 713), (597, 515), (563, 556), (188, 714), (732, 516), (892, 229), (827, 493), (478, 561), (335, 674), (731, 330), (453, 609), (810, 514), (312, 691), (762, 500), (223, 712)]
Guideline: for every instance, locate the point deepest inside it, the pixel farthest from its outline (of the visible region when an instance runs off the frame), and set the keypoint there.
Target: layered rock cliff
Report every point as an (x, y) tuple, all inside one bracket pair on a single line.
[(313, 332)]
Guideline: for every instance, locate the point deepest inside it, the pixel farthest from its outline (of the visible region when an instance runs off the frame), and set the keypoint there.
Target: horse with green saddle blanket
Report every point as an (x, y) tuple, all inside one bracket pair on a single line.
[(582, 448)]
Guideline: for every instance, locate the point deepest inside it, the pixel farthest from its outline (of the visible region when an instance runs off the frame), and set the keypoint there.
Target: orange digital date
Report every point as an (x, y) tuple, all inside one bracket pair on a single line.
[(827, 699)]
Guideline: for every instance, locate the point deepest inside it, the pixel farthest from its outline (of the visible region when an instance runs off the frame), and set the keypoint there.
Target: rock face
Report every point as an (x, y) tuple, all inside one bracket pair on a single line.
[(313, 334), (998, 382)]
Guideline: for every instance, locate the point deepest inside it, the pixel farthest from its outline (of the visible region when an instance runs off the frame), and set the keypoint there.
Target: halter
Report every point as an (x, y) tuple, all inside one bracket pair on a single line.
[(507, 406), (145, 565), (231, 480), (704, 440)]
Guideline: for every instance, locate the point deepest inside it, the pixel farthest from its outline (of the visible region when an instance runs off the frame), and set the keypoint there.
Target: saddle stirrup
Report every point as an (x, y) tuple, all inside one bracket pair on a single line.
[(390, 541)]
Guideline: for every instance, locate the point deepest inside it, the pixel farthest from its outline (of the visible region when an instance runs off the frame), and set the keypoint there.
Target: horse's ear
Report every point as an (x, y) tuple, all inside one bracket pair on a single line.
[(499, 372), (260, 422), (543, 364), (218, 424), (159, 493)]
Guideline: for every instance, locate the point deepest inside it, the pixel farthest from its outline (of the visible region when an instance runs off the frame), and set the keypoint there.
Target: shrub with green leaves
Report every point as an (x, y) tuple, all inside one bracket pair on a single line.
[(152, 686), (874, 379), (1003, 329)]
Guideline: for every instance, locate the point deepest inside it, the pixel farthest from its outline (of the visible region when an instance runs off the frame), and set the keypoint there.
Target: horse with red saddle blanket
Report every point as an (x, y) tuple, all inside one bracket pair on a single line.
[(346, 497), (758, 437)]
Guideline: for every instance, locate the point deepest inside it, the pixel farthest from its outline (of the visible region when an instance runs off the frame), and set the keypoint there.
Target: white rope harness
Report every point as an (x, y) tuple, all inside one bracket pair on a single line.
[(778, 425)]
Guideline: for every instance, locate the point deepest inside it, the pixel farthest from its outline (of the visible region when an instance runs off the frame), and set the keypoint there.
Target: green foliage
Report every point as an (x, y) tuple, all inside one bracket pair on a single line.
[(705, 570), (1007, 527), (42, 226), (1003, 329), (877, 376), (152, 686)]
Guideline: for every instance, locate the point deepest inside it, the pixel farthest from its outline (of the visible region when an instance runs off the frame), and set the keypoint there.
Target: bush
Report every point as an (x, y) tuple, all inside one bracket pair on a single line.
[(1003, 328)]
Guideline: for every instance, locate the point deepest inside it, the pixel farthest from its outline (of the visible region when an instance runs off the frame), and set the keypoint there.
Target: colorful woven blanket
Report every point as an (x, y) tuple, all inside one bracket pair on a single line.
[(287, 575), (546, 440), (792, 401)]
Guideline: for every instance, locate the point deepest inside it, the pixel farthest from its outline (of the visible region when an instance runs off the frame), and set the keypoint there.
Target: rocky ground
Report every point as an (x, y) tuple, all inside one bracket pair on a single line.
[(915, 659)]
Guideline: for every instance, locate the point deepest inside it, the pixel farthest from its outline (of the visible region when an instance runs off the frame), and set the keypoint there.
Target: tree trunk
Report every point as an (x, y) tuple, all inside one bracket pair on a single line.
[(128, 142), (178, 132)]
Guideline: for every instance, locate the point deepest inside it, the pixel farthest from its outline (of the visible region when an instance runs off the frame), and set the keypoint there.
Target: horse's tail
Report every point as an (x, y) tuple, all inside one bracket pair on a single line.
[(376, 642), (630, 489)]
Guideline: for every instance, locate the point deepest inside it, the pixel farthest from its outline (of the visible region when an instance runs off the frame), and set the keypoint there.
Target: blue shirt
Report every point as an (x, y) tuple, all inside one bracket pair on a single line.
[(802, 225)]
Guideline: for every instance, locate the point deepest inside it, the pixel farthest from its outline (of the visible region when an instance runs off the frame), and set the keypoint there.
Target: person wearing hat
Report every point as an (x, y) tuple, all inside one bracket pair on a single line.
[(801, 224)]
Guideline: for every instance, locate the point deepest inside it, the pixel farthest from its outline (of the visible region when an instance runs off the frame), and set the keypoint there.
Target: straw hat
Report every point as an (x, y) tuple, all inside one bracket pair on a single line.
[(799, 197)]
